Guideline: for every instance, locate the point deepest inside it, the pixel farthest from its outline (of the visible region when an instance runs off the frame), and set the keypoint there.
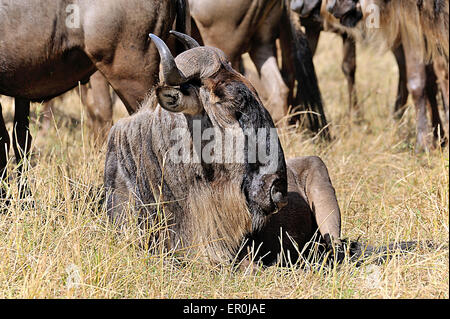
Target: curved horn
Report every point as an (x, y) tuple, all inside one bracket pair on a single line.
[(188, 42), (171, 74)]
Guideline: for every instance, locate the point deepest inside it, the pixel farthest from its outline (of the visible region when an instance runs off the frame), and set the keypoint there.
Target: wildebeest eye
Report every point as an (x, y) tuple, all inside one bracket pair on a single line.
[(184, 88)]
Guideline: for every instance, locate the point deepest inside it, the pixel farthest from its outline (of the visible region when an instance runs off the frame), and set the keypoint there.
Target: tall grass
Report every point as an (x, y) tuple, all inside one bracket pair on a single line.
[(63, 246)]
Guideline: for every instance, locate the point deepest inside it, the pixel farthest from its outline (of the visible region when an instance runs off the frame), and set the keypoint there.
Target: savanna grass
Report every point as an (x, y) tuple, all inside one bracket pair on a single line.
[(64, 247)]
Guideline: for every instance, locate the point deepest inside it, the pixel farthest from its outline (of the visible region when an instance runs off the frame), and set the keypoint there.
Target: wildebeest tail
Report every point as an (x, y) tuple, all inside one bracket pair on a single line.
[(308, 95), (183, 17), (182, 22)]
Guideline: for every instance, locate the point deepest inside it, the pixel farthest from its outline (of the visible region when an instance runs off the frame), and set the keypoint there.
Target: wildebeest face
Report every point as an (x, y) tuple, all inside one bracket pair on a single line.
[(200, 81), (305, 7), (347, 11)]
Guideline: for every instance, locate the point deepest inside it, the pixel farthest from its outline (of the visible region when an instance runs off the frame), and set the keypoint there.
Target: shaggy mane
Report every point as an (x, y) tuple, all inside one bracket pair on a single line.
[(219, 220)]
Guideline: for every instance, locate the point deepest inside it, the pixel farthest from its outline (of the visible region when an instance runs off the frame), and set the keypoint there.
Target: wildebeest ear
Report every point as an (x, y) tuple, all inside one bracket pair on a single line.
[(180, 100)]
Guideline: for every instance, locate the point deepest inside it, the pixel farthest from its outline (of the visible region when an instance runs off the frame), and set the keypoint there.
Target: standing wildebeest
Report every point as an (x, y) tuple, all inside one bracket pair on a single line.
[(48, 46), (315, 18), (240, 26), (422, 26)]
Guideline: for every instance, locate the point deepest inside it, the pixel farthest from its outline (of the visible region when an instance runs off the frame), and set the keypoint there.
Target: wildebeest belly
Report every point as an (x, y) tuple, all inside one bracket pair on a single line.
[(41, 55), (49, 78)]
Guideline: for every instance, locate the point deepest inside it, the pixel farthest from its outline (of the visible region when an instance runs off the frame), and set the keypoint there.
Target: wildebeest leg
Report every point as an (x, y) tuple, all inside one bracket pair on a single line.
[(312, 34), (99, 106), (262, 48), (22, 142), (287, 65), (308, 96), (402, 91), (274, 86), (349, 70), (312, 206), (441, 71), (313, 181), (431, 90), (415, 70), (4, 150)]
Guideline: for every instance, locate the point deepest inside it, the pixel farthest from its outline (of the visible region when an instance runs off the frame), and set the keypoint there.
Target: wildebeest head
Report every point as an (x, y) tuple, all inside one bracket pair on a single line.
[(201, 83), (347, 11), (305, 7)]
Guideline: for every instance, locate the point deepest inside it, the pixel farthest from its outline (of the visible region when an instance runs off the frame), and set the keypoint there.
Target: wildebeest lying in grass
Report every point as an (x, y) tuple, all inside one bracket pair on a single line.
[(205, 199), (47, 47), (209, 203)]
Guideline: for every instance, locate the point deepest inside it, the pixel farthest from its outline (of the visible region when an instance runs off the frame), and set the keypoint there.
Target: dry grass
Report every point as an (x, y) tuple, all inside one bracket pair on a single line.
[(63, 247)]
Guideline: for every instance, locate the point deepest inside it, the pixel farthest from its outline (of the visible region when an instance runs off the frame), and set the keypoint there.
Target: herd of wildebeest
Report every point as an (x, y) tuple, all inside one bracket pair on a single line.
[(177, 64)]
